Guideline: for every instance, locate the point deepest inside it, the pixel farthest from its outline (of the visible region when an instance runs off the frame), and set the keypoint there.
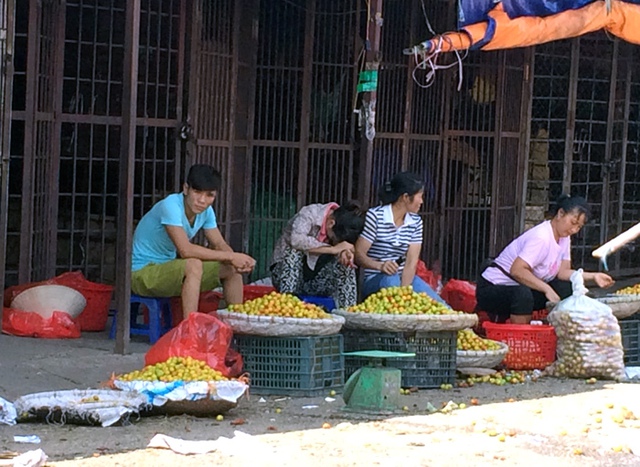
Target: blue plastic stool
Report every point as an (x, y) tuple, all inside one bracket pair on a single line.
[(160, 320), (327, 302)]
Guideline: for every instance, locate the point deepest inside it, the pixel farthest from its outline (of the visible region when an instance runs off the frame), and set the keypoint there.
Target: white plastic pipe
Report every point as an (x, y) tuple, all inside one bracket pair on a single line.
[(617, 242)]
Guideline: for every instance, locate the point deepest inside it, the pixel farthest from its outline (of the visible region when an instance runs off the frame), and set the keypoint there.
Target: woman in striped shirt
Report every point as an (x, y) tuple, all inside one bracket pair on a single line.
[(389, 246)]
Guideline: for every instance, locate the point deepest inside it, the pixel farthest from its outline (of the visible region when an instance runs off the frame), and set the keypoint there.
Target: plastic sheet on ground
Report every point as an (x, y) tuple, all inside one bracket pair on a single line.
[(159, 393), (182, 446), (242, 447), (90, 406), (35, 458), (632, 374), (7, 412)]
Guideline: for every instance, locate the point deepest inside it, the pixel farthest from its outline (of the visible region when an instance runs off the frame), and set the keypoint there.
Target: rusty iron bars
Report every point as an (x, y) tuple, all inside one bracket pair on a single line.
[(90, 138), (85, 85), (41, 141), (7, 32), (271, 93), (629, 211), (303, 152), (16, 147), (583, 126), (463, 142), (210, 111)]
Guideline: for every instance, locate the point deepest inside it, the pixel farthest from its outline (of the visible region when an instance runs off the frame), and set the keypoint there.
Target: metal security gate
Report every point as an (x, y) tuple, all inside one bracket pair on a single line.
[(267, 92), (221, 84), (584, 126), (6, 92), (67, 126), (467, 143)]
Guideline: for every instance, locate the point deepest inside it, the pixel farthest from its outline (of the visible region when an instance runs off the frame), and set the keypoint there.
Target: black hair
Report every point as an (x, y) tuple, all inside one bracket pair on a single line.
[(571, 204), (349, 224), (401, 183), (203, 177)]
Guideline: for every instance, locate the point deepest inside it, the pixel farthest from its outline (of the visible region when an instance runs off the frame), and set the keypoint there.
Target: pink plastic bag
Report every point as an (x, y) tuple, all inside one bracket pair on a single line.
[(200, 336)]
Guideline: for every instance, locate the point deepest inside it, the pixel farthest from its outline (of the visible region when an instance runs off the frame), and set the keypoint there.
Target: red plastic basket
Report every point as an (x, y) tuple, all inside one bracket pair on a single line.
[(98, 297), (530, 347), (95, 315)]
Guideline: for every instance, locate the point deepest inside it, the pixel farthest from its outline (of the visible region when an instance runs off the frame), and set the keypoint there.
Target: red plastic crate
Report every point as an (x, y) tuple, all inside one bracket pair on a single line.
[(256, 291), (207, 303), (530, 347)]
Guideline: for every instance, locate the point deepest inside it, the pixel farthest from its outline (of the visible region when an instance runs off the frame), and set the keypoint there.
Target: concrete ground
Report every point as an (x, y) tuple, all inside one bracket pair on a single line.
[(30, 365), (34, 365)]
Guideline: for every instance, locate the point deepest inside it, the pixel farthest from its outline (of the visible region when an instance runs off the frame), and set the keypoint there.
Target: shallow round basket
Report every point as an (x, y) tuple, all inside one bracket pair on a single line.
[(481, 358), (405, 323), (622, 306), (45, 299), (278, 326), (200, 408)]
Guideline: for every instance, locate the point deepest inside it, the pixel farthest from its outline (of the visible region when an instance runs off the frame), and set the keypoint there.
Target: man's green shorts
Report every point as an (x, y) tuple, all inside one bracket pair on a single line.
[(165, 280)]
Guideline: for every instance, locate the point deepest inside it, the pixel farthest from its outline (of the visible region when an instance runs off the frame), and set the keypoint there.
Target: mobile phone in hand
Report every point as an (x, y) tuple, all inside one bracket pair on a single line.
[(400, 261)]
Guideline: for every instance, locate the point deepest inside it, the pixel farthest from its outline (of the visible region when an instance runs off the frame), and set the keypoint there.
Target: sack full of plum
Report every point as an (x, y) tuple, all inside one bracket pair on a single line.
[(589, 343)]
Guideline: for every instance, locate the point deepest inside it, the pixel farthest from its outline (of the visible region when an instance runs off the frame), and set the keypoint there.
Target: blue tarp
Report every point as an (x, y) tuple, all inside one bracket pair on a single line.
[(474, 11)]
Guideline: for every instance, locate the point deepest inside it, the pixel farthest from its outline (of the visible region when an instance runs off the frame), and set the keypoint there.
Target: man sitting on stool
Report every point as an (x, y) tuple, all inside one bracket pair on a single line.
[(167, 230)]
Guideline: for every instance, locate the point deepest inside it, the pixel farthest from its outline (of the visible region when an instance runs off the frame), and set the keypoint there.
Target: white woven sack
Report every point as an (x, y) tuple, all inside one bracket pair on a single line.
[(481, 358), (406, 323), (279, 326)]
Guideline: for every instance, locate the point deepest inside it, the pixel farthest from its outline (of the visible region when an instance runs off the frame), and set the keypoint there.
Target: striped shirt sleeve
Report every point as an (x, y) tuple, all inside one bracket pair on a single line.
[(369, 233), (417, 233)]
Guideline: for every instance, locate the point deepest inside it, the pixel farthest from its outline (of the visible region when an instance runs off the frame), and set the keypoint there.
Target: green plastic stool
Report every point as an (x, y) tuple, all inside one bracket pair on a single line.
[(374, 388)]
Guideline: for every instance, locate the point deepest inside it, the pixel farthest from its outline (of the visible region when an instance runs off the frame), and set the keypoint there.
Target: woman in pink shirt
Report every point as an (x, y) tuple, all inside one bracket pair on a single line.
[(536, 266)]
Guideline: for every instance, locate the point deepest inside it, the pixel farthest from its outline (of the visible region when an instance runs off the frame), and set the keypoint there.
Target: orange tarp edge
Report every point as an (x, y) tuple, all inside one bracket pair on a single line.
[(623, 21)]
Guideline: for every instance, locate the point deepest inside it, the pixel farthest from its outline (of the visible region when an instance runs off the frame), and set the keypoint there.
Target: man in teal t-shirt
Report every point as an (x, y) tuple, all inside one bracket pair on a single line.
[(166, 231)]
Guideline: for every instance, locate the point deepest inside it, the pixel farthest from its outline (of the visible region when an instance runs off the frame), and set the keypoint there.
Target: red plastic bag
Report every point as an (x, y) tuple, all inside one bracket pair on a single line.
[(200, 336), (30, 324), (430, 277), (98, 297), (460, 295)]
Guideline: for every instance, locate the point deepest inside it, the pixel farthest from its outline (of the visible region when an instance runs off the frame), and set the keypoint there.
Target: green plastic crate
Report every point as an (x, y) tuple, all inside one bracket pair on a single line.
[(630, 333), (433, 365), (295, 366)]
